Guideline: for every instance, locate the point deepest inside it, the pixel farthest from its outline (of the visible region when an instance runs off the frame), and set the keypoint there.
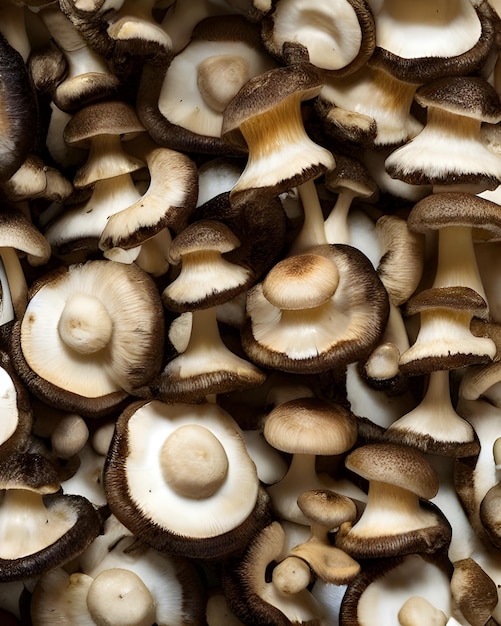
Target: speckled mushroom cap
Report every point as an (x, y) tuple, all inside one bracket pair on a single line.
[(439, 210), (338, 51), (419, 47), (397, 465), (293, 329), (179, 477), (102, 322)]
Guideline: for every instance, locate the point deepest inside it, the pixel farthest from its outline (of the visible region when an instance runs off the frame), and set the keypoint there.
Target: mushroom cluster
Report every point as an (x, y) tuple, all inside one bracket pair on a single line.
[(250, 316)]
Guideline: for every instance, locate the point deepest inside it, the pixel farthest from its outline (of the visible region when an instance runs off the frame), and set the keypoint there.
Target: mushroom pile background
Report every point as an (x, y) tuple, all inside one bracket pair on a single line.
[(250, 321)]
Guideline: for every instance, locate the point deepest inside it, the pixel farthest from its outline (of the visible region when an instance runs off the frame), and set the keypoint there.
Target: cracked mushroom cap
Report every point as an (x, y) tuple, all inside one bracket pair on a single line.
[(102, 322), (290, 325), (179, 477)]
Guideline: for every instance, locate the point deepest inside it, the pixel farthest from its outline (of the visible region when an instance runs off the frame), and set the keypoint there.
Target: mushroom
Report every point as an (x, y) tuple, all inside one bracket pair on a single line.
[(44, 528), (189, 486), (182, 106), (315, 311), (394, 522), (100, 318), (305, 428), (456, 108), (337, 51)]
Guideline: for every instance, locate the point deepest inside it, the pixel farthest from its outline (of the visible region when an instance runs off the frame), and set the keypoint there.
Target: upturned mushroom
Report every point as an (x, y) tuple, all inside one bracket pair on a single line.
[(103, 322), (315, 311), (189, 486)]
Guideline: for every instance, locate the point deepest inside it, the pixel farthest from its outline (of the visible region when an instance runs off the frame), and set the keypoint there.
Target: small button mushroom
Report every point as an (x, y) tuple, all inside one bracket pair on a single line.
[(394, 522), (417, 608), (326, 511), (259, 601), (105, 322), (207, 514)]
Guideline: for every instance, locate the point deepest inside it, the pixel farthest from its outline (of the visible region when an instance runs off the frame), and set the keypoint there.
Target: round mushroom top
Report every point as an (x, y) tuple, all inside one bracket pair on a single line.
[(440, 210), (471, 96), (310, 426), (203, 236), (396, 465), (301, 282), (351, 174), (102, 324), (102, 118), (327, 508), (181, 468)]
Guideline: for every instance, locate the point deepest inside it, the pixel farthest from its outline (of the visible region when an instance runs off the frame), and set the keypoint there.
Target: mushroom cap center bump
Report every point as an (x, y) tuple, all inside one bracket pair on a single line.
[(220, 77), (85, 324), (193, 461)]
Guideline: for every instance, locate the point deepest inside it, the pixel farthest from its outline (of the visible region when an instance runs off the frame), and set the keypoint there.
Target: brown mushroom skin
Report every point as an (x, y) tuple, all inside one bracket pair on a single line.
[(18, 113)]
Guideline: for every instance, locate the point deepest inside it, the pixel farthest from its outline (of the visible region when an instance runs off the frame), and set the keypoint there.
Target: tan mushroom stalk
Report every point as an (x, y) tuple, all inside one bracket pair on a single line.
[(315, 311), (103, 322), (18, 234), (305, 428), (265, 115), (190, 487), (336, 51), (394, 522), (88, 77)]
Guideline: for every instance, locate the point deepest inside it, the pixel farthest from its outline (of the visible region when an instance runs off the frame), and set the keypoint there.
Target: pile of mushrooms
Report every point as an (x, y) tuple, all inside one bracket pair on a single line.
[(250, 312)]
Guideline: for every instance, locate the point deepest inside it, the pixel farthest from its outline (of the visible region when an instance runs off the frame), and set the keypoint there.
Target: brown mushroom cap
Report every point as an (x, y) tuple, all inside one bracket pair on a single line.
[(395, 465)]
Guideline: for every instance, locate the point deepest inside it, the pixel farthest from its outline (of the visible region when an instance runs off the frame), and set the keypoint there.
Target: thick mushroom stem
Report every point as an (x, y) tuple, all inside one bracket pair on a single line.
[(336, 224), (390, 506), (118, 597), (85, 324), (457, 264), (433, 419), (277, 139), (193, 461)]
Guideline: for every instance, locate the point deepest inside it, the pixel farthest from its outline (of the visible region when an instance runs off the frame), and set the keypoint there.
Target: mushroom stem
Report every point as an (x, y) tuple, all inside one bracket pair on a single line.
[(85, 324), (312, 232), (336, 224), (457, 264)]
